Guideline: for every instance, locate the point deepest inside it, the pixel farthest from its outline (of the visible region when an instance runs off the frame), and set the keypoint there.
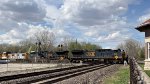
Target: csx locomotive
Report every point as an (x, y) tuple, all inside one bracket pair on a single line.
[(101, 55)]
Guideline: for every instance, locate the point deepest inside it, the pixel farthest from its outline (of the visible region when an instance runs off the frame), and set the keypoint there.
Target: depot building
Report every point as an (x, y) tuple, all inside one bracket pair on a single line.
[(145, 27)]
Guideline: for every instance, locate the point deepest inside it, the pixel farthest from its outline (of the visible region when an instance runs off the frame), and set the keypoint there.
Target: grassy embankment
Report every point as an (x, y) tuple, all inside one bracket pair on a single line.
[(146, 71), (122, 76)]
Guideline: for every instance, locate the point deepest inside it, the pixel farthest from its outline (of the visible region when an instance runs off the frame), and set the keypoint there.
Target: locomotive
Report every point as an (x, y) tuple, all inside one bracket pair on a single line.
[(98, 55), (101, 55)]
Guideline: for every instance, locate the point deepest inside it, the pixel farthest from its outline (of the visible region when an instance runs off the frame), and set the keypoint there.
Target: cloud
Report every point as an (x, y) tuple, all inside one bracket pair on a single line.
[(56, 3), (21, 19), (52, 12), (13, 12), (26, 10), (87, 20), (99, 20), (26, 31), (93, 12), (144, 17), (113, 36)]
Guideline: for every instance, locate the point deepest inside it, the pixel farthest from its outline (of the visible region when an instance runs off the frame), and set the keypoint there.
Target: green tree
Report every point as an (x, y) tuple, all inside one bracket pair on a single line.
[(83, 46)]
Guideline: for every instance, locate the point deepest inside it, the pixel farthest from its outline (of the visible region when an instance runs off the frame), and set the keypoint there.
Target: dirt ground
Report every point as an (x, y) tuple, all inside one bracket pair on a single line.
[(21, 66)]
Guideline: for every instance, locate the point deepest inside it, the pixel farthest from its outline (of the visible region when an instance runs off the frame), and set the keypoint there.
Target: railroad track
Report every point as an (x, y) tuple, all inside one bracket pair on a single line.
[(50, 76)]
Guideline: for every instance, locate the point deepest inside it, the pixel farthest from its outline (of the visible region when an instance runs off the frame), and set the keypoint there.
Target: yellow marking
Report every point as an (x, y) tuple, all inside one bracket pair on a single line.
[(61, 58), (116, 57)]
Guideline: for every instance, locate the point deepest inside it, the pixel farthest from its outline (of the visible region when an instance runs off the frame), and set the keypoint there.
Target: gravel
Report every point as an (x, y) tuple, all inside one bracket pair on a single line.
[(94, 77), (8, 73), (30, 71)]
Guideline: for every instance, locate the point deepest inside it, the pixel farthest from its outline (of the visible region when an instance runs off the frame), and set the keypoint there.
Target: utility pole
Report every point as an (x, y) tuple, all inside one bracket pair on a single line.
[(76, 44)]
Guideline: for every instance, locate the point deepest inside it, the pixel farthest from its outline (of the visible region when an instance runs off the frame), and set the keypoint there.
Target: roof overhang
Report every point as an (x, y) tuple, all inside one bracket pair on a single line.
[(142, 28)]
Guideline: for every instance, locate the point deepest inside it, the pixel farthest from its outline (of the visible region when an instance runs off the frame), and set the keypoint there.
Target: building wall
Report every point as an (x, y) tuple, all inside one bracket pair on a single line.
[(147, 33), (147, 39)]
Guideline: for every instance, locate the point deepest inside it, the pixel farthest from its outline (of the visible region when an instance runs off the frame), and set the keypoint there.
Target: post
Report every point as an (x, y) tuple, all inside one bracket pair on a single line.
[(7, 63), (7, 60)]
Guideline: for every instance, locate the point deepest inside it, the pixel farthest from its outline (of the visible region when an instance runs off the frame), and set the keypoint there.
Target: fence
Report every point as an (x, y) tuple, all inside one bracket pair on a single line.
[(135, 73), (27, 65)]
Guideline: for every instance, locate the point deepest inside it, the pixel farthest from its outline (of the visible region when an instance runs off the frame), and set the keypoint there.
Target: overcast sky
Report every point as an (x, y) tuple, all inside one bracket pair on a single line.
[(103, 22)]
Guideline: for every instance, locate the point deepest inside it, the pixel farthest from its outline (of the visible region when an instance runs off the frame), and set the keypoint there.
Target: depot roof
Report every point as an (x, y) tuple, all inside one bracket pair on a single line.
[(144, 26)]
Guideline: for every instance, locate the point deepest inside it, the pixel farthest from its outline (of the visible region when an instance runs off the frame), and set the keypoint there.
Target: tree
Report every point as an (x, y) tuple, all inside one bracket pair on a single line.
[(89, 46), (83, 46), (9, 48), (74, 46), (66, 41), (142, 53), (26, 44), (46, 38), (132, 48)]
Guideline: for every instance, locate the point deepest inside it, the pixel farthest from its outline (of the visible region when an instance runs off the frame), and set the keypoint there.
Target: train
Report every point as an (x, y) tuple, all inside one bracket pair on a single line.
[(98, 55)]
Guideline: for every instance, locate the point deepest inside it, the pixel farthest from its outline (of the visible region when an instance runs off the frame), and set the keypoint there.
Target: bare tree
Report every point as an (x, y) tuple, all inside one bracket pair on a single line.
[(66, 41), (47, 39), (121, 46), (132, 47), (9, 48), (26, 44)]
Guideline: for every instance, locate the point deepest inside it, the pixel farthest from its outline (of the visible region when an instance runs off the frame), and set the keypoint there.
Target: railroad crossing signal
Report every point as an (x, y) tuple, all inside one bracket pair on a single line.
[(60, 46)]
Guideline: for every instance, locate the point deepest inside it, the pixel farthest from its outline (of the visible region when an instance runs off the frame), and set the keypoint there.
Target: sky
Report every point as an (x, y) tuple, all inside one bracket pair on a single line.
[(103, 22)]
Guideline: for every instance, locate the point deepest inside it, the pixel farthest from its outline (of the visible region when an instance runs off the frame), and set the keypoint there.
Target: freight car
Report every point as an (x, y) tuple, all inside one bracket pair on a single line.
[(101, 55), (61, 54), (8, 56)]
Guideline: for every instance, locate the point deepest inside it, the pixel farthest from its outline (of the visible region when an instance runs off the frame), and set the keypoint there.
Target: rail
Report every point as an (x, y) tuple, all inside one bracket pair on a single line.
[(44, 75)]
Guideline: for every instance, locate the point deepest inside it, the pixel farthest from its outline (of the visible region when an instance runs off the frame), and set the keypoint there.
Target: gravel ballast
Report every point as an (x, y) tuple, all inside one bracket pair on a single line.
[(94, 77), (30, 71)]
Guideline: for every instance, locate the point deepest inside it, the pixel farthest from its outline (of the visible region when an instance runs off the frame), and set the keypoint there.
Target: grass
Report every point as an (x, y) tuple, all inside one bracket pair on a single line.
[(122, 76), (146, 71), (142, 66)]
